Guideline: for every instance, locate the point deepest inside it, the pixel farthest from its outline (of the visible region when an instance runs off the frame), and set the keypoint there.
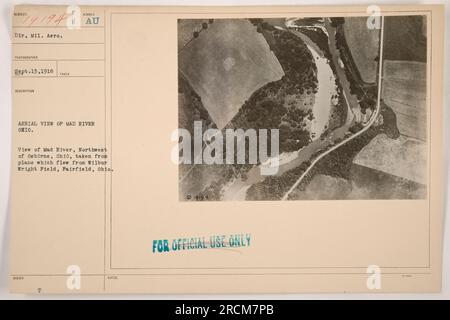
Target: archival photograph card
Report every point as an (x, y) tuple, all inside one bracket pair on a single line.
[(255, 149)]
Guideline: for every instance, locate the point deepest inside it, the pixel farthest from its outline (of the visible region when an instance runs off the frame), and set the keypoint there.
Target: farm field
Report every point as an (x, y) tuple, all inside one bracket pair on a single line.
[(364, 183), (190, 107), (403, 157), (406, 38), (225, 64), (324, 187), (404, 90), (186, 27), (364, 52)]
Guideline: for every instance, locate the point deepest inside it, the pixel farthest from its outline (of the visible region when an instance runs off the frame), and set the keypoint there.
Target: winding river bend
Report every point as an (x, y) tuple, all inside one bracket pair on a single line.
[(326, 89), (321, 109)]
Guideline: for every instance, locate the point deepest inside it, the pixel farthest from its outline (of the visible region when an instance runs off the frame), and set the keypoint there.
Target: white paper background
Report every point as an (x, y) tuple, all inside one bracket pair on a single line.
[(6, 7)]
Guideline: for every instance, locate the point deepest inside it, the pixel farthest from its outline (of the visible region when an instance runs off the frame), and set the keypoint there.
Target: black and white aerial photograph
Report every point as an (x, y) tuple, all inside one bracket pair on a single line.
[(337, 107)]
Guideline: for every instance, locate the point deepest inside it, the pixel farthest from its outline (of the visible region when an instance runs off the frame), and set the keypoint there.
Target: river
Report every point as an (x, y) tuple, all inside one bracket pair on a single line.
[(326, 88)]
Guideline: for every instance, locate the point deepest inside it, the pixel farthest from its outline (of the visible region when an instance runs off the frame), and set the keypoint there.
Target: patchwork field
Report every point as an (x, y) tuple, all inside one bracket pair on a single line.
[(405, 38), (404, 90), (403, 157), (190, 108), (186, 29), (364, 183), (364, 46), (225, 64), (324, 187)]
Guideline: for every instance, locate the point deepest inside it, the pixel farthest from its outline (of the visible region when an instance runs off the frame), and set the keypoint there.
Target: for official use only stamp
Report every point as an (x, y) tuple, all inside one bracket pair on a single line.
[(219, 241)]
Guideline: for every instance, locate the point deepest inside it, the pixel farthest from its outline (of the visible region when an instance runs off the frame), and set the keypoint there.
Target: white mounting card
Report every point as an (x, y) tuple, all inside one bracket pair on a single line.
[(227, 149)]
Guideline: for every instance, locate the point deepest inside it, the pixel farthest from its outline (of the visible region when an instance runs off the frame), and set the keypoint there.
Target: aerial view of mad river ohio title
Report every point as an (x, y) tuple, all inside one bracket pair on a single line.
[(302, 108)]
